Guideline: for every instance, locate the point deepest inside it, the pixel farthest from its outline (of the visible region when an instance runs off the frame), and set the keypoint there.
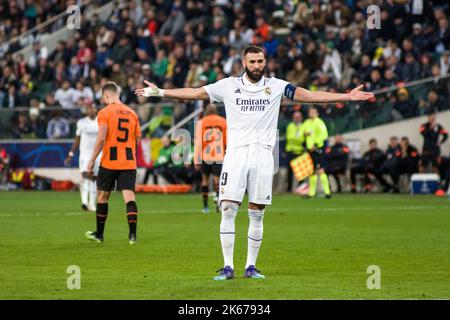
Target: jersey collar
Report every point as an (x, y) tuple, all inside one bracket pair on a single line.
[(247, 82)]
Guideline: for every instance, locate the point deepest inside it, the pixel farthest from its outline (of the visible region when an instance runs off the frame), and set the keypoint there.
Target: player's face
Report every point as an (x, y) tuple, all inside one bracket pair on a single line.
[(312, 113), (91, 111), (254, 64)]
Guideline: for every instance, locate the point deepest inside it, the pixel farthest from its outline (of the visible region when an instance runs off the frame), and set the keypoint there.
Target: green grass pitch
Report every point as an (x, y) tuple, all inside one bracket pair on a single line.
[(312, 249)]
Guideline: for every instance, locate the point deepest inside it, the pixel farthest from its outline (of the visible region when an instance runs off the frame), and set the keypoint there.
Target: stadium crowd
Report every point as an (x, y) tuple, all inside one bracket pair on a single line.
[(320, 44)]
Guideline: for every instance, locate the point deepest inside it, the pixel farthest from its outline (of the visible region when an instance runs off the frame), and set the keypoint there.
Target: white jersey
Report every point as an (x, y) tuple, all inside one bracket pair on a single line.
[(251, 108), (87, 130)]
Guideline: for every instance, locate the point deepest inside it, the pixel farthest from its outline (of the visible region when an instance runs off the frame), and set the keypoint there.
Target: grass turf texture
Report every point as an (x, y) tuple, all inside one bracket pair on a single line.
[(312, 249)]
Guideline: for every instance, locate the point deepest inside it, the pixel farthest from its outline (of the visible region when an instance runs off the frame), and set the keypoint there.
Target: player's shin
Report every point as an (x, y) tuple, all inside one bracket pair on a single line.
[(92, 194), (325, 183), (132, 217), (101, 215), (84, 191), (255, 235), (227, 231), (312, 185), (205, 191)]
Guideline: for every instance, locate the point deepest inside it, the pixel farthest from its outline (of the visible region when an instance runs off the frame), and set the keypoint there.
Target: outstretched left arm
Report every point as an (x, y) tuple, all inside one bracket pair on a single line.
[(307, 96)]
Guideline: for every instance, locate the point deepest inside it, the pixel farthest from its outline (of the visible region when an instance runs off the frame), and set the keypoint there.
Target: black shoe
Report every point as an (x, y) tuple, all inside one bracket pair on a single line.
[(328, 196), (84, 207), (396, 190), (92, 235)]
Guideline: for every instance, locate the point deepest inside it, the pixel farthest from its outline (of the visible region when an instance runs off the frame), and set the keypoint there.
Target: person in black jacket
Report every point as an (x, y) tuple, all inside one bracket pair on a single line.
[(409, 159), (337, 159), (433, 136), (370, 166), (391, 164)]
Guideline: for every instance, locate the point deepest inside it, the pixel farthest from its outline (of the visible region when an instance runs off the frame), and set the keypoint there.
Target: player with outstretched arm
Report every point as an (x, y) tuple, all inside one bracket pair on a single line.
[(252, 104)]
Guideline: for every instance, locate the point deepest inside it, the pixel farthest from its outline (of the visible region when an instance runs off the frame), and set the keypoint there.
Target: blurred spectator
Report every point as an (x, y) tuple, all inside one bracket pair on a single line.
[(4, 166), (409, 70), (337, 160), (11, 100), (174, 23), (441, 37), (37, 120), (433, 102), (299, 75), (82, 93), (391, 163), (445, 63), (175, 38), (404, 105), (58, 127), (65, 95), (409, 159), (21, 127), (434, 135), (369, 166)]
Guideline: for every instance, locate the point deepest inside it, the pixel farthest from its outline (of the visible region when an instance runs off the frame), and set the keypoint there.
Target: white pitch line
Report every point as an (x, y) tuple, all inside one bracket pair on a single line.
[(270, 210)]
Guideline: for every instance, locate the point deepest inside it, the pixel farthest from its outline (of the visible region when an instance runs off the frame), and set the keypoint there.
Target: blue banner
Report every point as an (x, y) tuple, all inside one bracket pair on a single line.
[(39, 154)]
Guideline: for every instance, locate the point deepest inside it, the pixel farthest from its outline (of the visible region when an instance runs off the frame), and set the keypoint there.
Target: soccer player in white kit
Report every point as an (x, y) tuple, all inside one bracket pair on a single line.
[(86, 134), (252, 104)]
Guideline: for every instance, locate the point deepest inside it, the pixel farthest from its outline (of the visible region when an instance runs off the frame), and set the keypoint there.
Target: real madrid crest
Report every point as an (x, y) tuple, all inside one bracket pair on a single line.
[(268, 91)]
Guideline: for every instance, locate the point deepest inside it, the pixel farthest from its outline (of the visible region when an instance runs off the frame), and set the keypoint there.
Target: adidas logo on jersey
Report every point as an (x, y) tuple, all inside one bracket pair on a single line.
[(238, 91), (268, 198)]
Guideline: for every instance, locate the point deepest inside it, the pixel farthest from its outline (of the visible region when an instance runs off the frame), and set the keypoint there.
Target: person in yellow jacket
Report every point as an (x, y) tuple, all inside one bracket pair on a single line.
[(315, 134), (294, 143)]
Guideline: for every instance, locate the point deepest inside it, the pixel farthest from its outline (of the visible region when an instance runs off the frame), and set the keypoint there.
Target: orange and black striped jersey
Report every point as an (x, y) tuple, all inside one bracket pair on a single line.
[(119, 151), (210, 139)]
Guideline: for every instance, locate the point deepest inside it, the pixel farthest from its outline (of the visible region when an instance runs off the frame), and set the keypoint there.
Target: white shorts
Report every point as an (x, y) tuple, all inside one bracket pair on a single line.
[(248, 168), (84, 162)]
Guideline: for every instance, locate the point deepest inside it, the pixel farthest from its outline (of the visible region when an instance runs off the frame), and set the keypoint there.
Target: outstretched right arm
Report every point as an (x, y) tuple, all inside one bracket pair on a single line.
[(184, 93)]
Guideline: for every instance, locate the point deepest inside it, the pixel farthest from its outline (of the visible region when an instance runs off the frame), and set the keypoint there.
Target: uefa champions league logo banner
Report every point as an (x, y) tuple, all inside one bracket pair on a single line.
[(39, 154)]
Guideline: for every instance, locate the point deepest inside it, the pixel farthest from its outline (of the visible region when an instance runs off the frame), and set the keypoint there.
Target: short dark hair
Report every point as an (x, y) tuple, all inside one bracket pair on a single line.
[(372, 140), (253, 49), (110, 86)]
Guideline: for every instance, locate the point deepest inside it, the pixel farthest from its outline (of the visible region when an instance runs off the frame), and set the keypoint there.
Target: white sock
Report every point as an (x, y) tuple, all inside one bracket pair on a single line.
[(84, 190), (227, 231), (92, 193), (255, 235)]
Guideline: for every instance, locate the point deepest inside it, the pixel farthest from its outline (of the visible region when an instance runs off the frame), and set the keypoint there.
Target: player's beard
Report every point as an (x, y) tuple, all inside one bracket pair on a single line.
[(254, 75)]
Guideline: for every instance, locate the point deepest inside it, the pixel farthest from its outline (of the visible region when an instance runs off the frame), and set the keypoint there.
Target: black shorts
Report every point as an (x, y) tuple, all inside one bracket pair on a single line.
[(318, 158), (106, 179), (433, 158), (208, 169)]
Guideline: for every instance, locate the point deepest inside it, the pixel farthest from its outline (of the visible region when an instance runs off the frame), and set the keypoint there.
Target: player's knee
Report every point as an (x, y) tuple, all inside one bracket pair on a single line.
[(256, 206), (256, 215), (102, 196), (205, 189), (229, 209)]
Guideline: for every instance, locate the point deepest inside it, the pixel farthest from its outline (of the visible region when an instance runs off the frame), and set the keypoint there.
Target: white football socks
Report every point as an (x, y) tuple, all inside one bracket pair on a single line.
[(92, 194), (227, 231), (255, 235), (84, 190)]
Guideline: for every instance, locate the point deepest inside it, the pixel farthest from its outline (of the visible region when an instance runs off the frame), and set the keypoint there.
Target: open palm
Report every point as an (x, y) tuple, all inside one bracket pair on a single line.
[(357, 94)]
